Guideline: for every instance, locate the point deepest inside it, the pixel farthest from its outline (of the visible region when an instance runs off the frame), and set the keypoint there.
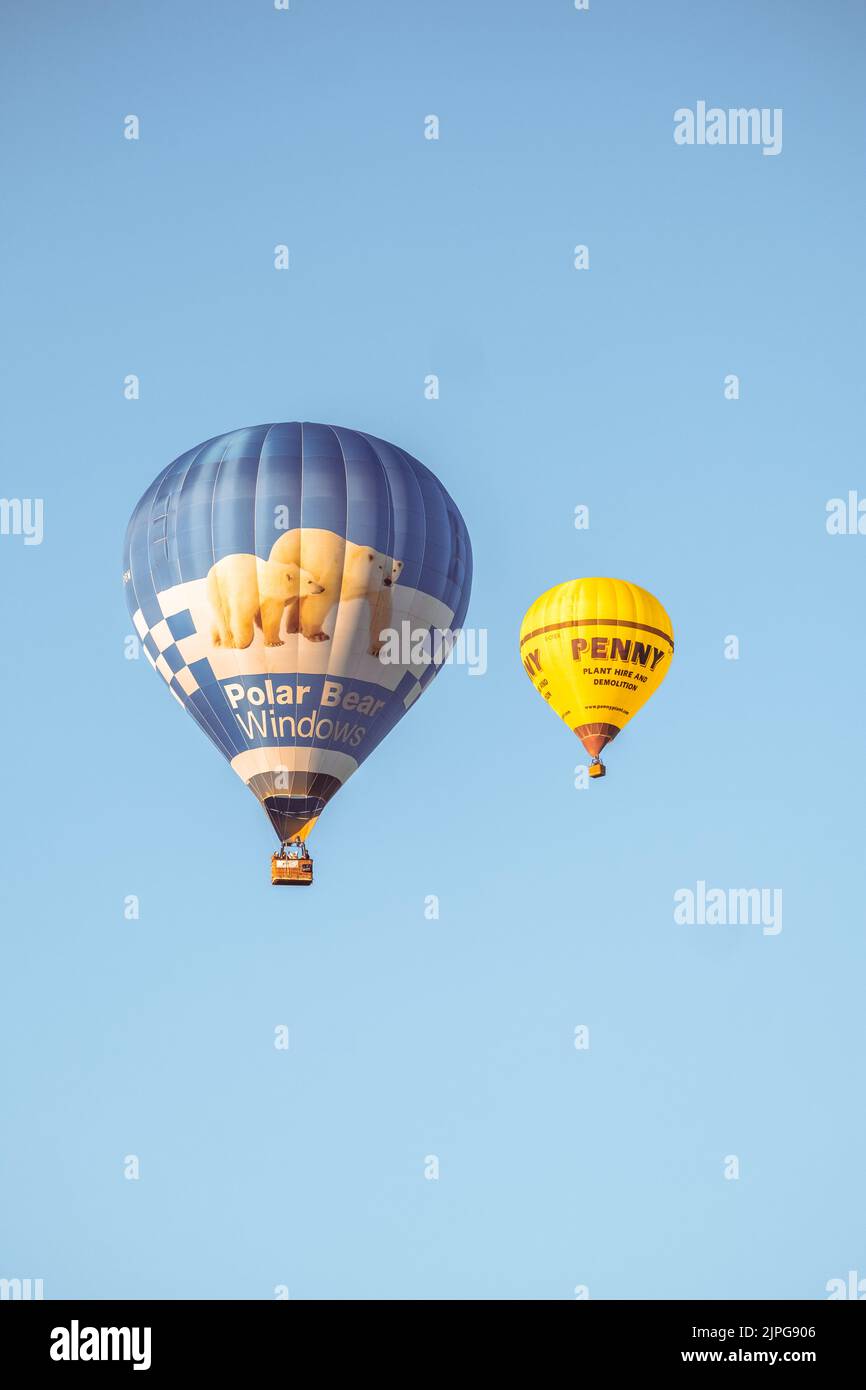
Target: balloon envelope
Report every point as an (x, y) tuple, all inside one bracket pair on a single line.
[(262, 569), (596, 650)]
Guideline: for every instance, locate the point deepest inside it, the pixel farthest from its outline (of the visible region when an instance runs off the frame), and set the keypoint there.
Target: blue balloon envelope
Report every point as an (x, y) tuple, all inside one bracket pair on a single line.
[(294, 584)]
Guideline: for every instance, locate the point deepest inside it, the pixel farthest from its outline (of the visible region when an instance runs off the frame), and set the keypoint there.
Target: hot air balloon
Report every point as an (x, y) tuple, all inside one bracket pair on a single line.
[(596, 650), (273, 575)]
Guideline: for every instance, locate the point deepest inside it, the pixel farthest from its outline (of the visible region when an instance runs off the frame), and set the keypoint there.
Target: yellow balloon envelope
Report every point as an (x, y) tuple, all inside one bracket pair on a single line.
[(596, 649)]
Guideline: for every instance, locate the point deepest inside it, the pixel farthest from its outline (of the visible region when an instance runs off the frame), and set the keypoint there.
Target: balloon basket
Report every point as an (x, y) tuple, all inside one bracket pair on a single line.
[(285, 872), (597, 770)]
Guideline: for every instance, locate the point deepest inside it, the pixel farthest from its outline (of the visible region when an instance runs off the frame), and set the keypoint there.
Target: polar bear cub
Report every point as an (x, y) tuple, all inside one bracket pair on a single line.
[(345, 571), (246, 592)]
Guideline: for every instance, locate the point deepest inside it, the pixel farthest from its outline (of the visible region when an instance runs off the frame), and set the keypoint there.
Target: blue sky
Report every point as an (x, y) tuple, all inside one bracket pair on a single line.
[(408, 1037)]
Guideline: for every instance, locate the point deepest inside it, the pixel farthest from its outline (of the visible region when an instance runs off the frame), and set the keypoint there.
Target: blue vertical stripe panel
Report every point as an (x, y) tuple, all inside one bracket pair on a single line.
[(278, 487), (408, 515)]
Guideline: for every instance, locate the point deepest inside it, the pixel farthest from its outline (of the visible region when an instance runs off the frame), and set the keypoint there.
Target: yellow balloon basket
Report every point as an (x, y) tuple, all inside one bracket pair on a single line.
[(597, 770)]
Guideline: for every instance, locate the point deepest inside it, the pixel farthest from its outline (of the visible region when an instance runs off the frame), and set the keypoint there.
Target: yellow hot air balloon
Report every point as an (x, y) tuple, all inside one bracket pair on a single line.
[(596, 649)]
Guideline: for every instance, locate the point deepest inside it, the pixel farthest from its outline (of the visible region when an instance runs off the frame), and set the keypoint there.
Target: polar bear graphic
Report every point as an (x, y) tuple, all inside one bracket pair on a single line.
[(345, 571), (246, 592)]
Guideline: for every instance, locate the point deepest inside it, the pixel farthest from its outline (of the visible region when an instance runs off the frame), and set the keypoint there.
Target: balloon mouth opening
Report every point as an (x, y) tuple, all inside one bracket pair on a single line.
[(596, 737), (293, 801), (301, 807), (292, 816)]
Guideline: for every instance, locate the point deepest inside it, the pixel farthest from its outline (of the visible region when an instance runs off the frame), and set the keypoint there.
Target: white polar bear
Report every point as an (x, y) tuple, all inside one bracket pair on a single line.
[(345, 571), (246, 592)]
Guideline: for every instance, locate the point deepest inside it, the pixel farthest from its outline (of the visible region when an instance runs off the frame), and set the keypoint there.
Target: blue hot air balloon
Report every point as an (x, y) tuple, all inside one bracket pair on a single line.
[(280, 579)]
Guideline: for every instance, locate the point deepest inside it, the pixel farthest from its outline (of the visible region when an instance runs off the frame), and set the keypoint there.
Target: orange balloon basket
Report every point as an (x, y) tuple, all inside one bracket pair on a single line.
[(597, 769), (290, 871)]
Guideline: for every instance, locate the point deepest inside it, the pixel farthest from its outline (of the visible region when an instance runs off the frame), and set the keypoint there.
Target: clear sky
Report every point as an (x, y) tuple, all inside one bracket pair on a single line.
[(558, 1167)]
